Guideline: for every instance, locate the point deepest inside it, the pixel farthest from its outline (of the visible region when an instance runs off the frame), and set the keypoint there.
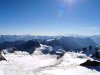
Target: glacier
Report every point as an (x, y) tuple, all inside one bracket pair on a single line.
[(21, 63)]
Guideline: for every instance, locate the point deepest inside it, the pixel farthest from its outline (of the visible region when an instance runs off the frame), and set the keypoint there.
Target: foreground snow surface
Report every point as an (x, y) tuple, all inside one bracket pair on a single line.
[(21, 63)]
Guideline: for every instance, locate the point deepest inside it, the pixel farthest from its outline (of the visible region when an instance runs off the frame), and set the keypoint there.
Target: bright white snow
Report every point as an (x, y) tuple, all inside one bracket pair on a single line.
[(21, 63)]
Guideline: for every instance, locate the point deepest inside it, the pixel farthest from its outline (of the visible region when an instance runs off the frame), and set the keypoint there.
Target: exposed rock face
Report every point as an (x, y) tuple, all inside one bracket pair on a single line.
[(60, 55), (52, 52), (31, 45), (2, 58), (90, 63), (97, 54), (13, 50), (28, 46)]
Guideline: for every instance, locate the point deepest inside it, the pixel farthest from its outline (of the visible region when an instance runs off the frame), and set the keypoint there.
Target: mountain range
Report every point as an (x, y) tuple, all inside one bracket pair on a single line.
[(67, 42)]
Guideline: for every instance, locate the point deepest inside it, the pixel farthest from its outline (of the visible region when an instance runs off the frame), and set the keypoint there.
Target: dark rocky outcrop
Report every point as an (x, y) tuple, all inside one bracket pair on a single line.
[(28, 46), (96, 54), (2, 58), (90, 63), (60, 55), (12, 50), (52, 52)]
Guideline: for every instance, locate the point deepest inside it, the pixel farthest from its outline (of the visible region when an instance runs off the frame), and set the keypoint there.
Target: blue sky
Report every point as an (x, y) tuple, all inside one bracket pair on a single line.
[(50, 17)]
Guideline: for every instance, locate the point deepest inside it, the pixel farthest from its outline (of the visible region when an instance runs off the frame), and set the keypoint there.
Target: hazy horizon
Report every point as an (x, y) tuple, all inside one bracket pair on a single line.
[(48, 35)]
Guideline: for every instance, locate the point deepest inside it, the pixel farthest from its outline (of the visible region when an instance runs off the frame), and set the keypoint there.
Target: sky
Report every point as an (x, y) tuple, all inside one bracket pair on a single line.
[(50, 17)]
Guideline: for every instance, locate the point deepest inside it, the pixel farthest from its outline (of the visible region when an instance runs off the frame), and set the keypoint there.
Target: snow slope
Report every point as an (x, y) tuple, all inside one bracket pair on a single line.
[(70, 66), (21, 63)]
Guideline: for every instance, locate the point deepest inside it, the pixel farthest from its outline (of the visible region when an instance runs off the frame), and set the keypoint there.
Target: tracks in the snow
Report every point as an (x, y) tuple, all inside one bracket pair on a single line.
[(47, 67), (39, 70)]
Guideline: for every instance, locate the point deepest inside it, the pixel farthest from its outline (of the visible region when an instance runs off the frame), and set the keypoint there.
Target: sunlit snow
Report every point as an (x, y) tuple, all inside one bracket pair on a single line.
[(21, 63)]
